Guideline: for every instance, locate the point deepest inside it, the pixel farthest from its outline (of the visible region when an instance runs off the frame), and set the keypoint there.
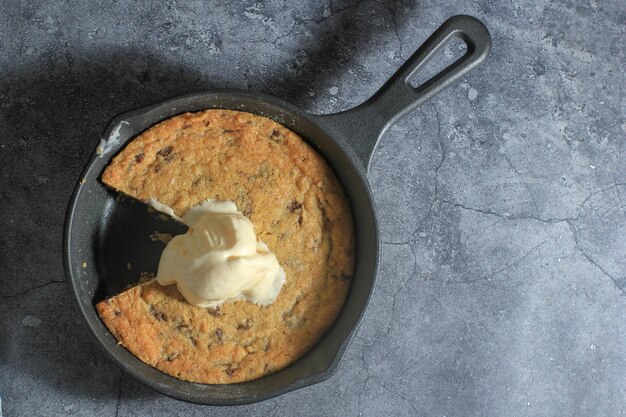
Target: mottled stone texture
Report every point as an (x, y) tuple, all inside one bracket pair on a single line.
[(502, 286)]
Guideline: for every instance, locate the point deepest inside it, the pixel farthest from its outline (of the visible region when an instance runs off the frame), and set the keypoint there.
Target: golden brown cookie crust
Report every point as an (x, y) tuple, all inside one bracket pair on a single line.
[(298, 209)]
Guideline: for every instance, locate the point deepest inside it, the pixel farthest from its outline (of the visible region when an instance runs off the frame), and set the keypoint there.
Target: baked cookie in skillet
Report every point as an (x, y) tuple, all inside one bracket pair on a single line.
[(297, 207)]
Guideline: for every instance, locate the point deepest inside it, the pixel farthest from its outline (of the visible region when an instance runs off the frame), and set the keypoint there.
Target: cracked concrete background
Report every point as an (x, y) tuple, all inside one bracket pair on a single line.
[(502, 285)]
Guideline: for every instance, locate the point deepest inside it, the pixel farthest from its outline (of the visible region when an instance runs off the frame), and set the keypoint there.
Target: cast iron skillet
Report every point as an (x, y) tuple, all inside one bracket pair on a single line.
[(102, 235)]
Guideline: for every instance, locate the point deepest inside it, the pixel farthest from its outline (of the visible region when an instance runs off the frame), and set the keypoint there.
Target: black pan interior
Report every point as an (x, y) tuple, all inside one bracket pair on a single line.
[(103, 236)]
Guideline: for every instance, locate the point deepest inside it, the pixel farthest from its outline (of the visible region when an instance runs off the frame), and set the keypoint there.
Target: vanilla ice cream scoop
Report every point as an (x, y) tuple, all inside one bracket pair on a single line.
[(219, 258)]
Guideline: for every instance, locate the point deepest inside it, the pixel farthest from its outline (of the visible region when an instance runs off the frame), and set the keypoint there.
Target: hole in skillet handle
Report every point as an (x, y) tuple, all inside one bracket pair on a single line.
[(451, 51)]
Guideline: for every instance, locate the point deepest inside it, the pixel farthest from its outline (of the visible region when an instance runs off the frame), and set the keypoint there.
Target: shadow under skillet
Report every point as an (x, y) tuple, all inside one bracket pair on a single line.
[(53, 114), (346, 39)]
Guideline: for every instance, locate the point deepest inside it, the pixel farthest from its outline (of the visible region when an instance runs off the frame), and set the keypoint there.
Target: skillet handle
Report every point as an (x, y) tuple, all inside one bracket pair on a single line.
[(363, 125)]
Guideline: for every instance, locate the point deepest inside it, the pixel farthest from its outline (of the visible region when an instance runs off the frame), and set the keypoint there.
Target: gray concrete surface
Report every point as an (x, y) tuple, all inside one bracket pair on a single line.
[(502, 287)]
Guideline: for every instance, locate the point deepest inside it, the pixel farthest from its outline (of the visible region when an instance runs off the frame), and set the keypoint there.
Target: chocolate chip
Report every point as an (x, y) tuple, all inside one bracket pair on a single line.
[(219, 334), (215, 312), (139, 157), (230, 371), (165, 151), (275, 136), (117, 313), (157, 168), (172, 356), (293, 206), (157, 314), (245, 325)]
